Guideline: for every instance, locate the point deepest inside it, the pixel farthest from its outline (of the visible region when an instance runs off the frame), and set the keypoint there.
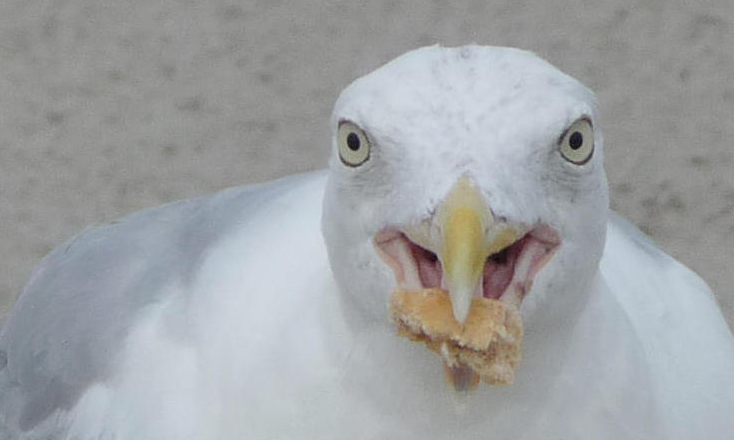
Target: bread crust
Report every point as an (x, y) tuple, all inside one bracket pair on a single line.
[(488, 344)]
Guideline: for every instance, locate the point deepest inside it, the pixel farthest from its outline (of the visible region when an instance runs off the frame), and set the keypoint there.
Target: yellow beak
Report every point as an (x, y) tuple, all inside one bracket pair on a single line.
[(469, 237)]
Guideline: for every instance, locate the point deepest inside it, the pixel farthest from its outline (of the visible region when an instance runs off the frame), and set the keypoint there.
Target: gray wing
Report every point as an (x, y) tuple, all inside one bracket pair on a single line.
[(687, 344), (70, 320)]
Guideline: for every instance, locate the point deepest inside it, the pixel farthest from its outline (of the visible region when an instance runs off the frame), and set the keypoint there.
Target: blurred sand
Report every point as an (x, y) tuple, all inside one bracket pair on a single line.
[(107, 107)]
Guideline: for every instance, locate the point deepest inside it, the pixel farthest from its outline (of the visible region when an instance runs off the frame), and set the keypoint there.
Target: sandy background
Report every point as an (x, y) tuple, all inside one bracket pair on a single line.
[(107, 107)]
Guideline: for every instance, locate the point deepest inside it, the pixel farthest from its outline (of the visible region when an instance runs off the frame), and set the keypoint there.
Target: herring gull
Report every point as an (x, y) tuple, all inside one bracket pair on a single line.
[(262, 311)]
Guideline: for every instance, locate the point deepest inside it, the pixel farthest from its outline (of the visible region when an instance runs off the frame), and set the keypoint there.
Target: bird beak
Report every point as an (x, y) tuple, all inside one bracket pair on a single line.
[(469, 236), (464, 250)]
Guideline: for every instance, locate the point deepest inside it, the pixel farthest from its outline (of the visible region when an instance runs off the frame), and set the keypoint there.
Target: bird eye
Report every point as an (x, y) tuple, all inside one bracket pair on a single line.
[(354, 147), (577, 143)]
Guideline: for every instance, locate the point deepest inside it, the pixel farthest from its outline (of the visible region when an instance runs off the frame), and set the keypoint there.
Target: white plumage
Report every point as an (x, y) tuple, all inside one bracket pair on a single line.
[(231, 317)]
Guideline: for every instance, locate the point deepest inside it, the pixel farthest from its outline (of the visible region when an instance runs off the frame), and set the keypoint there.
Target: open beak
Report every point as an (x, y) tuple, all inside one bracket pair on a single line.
[(469, 236), (466, 251)]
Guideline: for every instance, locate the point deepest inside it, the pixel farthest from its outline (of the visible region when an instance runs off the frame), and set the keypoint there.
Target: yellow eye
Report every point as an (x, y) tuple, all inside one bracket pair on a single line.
[(577, 143), (354, 147)]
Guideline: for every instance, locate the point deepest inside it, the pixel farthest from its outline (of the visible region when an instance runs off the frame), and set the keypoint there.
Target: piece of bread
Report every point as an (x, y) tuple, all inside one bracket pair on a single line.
[(488, 346)]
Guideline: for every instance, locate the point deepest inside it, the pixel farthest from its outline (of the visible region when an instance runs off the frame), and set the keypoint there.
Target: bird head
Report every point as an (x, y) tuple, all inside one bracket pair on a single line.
[(476, 170)]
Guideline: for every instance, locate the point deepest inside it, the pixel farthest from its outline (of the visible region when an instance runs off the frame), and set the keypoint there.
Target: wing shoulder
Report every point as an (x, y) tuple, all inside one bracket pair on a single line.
[(686, 341), (67, 324)]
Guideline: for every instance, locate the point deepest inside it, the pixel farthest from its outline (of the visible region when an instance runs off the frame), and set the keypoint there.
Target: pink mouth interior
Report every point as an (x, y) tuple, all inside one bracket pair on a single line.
[(428, 265), (416, 267)]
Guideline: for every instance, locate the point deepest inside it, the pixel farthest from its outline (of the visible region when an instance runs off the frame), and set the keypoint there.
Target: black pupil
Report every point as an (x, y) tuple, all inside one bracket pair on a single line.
[(576, 140), (353, 141)]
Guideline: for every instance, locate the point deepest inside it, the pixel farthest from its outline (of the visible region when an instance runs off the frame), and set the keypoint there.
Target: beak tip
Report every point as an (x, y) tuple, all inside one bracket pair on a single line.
[(461, 302)]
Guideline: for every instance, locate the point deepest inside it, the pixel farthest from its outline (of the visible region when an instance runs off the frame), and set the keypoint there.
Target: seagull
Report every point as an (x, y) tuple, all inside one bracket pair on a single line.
[(262, 311)]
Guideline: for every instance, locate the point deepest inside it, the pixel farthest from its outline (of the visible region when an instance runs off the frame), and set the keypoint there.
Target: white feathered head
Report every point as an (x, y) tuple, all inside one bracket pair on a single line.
[(478, 170)]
